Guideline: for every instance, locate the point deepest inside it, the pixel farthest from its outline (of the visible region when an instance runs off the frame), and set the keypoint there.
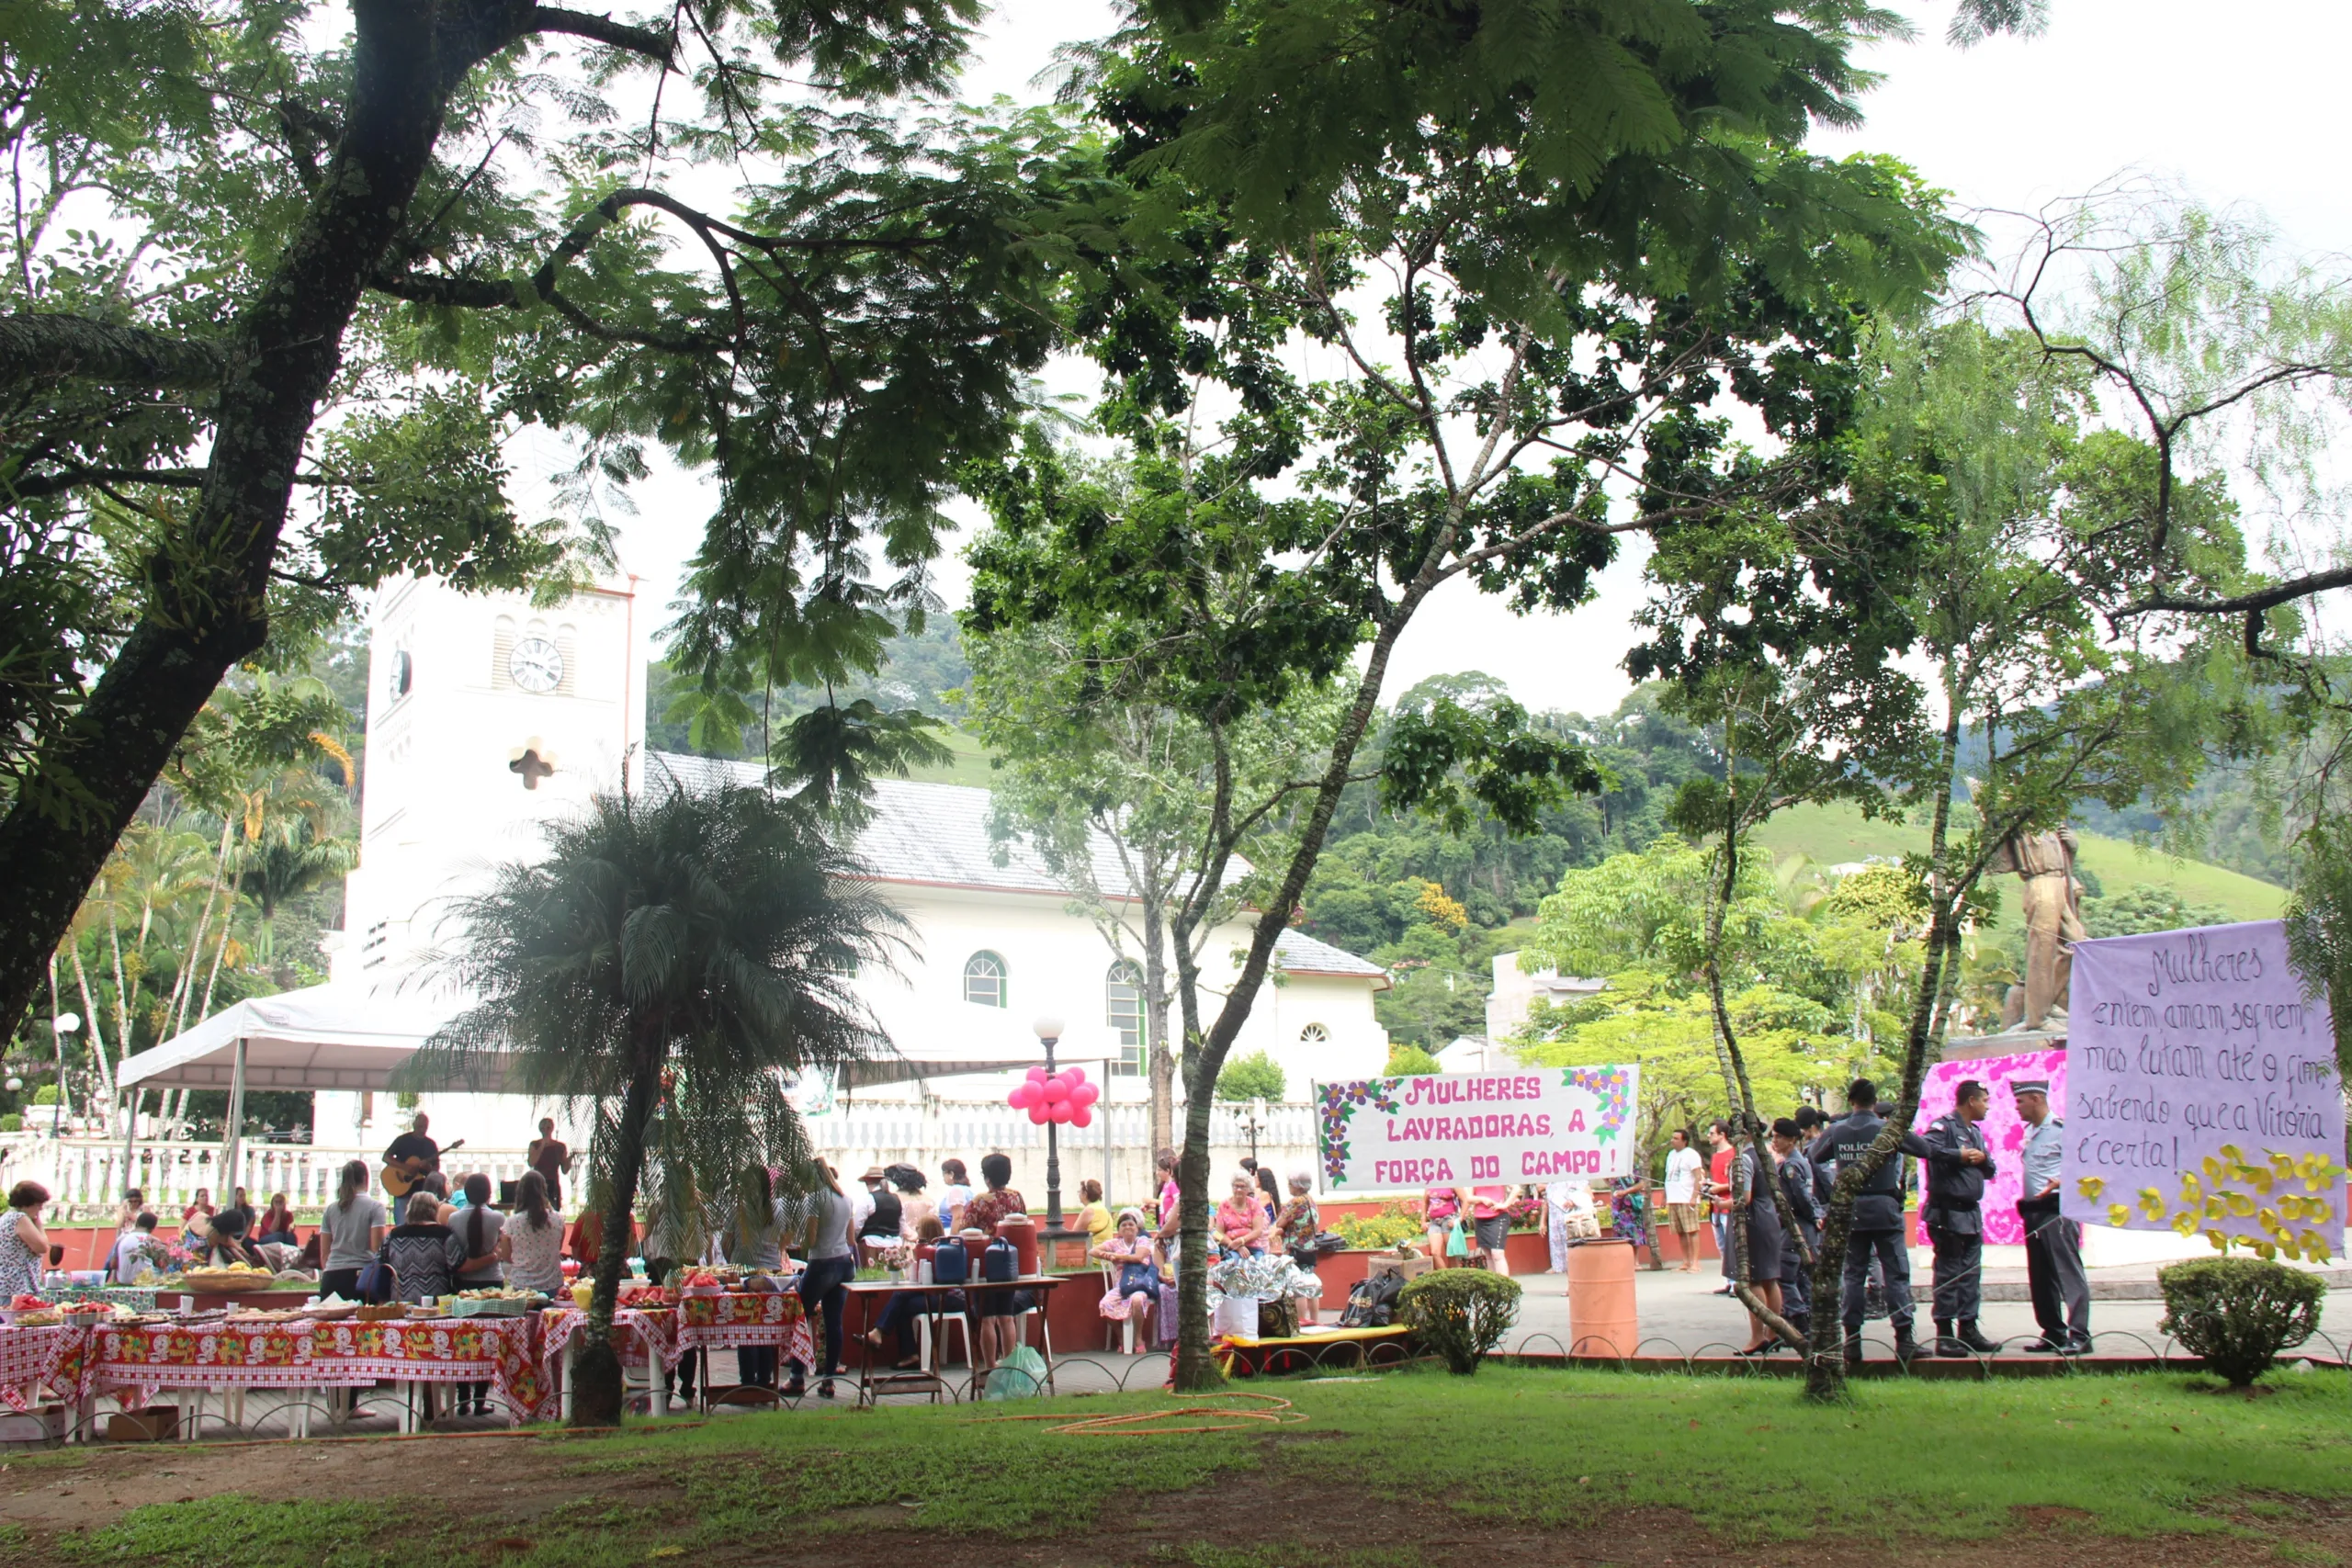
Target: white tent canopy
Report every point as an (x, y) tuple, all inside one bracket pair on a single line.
[(348, 1037)]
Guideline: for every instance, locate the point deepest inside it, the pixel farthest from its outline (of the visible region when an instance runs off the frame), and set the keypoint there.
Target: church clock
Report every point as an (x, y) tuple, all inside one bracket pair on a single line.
[(536, 665)]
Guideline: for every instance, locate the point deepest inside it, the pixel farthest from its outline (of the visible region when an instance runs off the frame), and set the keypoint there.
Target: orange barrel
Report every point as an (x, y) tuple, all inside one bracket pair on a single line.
[(1021, 1232), (1602, 1316)]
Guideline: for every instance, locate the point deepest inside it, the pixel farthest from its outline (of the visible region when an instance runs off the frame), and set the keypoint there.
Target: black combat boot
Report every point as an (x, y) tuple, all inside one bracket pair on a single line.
[(1946, 1342), (1906, 1350), (1975, 1341)]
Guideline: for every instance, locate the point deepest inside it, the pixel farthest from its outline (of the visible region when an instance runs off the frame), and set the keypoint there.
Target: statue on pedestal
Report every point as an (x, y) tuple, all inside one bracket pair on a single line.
[(2054, 922)]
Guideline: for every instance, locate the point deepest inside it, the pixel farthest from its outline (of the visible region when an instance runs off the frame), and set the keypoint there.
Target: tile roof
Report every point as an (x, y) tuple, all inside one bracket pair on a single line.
[(936, 835)]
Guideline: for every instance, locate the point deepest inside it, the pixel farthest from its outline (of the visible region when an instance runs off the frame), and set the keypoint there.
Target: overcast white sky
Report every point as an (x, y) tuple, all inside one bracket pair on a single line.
[(2229, 101)]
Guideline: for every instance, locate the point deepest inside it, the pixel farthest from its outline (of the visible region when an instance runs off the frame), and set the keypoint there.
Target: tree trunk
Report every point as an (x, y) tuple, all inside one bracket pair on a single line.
[(91, 1021), (598, 1384), (1196, 1369), (209, 582), (1204, 1055), (1826, 1364), (183, 983), (1159, 1060)]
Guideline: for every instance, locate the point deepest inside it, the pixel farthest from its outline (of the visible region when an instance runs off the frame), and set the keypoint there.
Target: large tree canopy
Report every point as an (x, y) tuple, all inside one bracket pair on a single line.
[(1538, 253), (274, 309)]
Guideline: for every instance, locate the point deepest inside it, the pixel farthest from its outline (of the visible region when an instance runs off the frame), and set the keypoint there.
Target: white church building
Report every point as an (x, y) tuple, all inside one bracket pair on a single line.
[(489, 714)]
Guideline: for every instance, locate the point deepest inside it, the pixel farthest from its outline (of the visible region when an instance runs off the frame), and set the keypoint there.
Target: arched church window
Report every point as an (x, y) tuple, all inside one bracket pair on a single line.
[(984, 977), (1313, 1034), (1122, 1011)]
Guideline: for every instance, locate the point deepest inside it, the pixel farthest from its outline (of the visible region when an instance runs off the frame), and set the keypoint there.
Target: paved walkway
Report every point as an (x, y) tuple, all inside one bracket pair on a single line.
[(1681, 1314)]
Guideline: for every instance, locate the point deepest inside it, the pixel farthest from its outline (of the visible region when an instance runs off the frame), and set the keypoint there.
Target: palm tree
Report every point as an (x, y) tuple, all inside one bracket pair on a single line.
[(674, 958), (294, 852)]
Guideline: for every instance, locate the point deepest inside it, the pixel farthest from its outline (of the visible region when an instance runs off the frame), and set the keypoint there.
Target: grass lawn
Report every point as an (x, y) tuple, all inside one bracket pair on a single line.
[(1515, 1463), (1832, 835)]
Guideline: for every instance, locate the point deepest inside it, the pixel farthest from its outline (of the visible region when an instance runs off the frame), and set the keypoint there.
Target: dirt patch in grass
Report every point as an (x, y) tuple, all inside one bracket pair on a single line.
[(489, 1473), (526, 1501)]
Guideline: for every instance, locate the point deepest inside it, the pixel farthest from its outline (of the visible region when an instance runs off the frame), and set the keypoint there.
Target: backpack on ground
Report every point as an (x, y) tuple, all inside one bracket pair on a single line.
[(1371, 1303)]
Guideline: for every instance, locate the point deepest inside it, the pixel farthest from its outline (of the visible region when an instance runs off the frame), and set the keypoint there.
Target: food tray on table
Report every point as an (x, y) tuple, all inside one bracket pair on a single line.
[(217, 1281), (488, 1306), (388, 1312)]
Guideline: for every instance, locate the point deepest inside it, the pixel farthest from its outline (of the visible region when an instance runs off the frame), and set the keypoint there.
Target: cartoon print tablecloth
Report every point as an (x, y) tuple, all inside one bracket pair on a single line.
[(136, 1363)]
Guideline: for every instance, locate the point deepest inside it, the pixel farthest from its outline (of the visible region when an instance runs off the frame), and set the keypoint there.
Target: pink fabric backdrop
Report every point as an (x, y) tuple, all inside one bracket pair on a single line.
[(2004, 1133)]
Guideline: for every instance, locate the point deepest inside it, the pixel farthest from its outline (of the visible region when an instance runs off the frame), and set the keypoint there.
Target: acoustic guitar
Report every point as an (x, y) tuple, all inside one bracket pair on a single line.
[(402, 1174)]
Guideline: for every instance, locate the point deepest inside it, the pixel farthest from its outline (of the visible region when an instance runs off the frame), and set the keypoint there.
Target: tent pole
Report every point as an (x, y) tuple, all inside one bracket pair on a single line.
[(130, 1137), (229, 1140)]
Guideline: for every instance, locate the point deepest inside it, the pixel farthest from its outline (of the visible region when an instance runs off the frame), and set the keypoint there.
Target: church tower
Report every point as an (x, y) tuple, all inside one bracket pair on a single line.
[(488, 714)]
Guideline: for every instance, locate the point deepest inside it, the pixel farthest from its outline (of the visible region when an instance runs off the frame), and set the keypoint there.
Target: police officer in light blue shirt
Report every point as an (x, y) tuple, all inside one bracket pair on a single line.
[(2053, 1244)]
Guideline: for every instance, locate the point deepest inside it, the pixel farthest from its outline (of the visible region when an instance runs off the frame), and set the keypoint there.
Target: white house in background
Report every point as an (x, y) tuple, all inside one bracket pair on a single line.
[(1473, 1053), (488, 715), (1516, 993)]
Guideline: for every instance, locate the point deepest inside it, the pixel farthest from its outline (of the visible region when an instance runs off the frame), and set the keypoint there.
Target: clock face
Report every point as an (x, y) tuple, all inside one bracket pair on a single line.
[(403, 672), (536, 665)]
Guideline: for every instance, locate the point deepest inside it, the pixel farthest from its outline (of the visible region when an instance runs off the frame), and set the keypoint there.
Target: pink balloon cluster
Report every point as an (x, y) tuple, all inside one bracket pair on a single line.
[(1065, 1096)]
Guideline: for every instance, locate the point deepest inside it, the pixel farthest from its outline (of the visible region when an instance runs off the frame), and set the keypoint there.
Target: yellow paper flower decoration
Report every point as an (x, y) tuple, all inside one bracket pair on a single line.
[(2091, 1187), (2118, 1216)]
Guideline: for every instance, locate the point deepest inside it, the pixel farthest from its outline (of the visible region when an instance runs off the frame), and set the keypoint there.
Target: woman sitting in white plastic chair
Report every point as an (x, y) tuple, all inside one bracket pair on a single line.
[(1134, 1263)]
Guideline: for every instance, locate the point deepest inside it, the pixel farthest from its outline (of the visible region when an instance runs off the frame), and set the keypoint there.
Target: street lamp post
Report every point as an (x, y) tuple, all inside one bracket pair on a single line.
[(1049, 1034), (63, 1024)]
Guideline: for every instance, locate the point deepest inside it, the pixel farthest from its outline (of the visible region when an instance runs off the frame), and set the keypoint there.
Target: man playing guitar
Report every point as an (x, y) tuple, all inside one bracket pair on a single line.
[(412, 1156)]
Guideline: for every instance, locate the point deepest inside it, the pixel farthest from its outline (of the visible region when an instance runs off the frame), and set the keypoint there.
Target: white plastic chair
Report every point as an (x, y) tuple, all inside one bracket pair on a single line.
[(950, 1323), (1110, 1326)]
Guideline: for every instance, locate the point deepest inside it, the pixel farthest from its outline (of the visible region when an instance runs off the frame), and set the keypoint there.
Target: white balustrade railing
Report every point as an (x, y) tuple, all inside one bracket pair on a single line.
[(86, 1177)]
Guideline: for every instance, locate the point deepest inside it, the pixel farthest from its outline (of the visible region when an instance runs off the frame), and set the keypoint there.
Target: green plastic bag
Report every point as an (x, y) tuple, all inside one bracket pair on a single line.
[(1457, 1240), (1021, 1375)]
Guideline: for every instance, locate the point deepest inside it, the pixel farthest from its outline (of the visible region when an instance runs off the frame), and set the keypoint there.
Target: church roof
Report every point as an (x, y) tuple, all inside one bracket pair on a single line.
[(936, 835)]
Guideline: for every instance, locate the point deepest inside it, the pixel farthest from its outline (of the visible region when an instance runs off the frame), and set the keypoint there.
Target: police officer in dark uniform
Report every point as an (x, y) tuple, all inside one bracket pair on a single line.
[(1877, 1228), (1959, 1164), (1799, 1182)]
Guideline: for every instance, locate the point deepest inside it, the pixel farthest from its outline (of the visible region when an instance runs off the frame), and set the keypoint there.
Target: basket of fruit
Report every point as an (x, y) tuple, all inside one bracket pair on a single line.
[(234, 1276)]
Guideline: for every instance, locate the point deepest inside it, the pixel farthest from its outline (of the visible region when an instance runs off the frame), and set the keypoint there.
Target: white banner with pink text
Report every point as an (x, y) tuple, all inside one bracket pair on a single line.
[(1535, 1124)]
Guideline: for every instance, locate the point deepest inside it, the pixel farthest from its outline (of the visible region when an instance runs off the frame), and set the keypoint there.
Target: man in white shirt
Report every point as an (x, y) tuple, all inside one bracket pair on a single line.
[(133, 1251), (2053, 1244), (1682, 1167)]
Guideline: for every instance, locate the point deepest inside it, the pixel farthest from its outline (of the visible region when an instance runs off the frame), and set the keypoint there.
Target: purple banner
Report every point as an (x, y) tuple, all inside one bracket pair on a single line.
[(2202, 1092), (2004, 1130)]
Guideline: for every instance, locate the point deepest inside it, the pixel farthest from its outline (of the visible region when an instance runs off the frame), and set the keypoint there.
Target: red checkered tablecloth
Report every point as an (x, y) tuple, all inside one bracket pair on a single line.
[(53, 1358), (726, 1322), (745, 1317), (223, 1354), (634, 1333)]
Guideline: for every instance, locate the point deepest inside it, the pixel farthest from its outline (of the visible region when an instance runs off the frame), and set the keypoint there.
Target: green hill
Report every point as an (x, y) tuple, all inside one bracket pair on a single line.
[(1834, 834), (969, 765)]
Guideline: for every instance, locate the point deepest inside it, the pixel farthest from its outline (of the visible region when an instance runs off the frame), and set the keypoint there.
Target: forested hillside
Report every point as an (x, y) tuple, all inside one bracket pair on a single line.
[(1435, 906)]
